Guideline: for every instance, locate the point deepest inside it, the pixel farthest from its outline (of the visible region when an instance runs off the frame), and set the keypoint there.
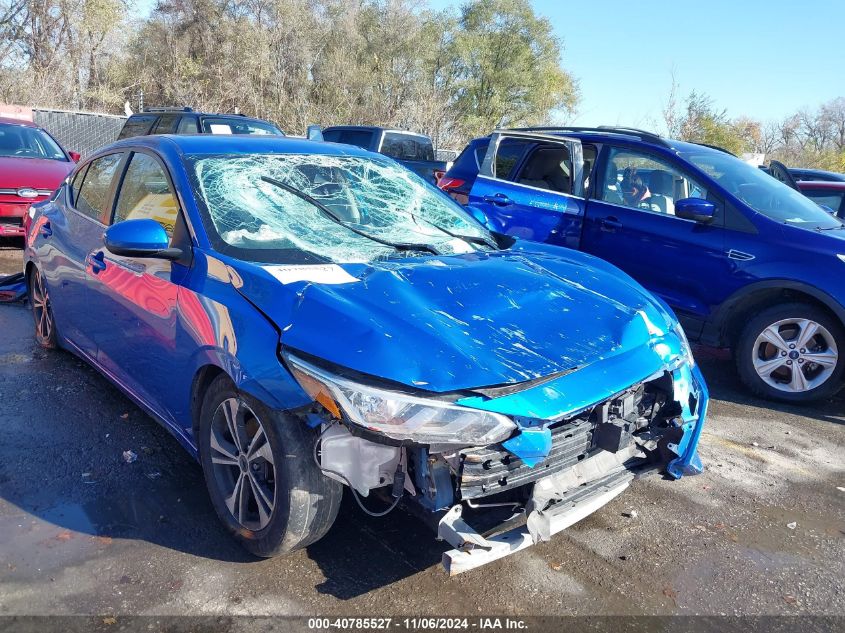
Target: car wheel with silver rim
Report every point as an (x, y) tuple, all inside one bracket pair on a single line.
[(791, 352), (262, 481)]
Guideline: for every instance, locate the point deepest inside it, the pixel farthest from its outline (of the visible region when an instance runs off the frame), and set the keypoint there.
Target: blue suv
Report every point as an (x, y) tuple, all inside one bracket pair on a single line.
[(745, 261)]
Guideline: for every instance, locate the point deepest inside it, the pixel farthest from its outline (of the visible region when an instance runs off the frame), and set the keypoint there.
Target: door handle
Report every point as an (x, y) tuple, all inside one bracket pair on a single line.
[(97, 262), (499, 200), (45, 230), (610, 224)]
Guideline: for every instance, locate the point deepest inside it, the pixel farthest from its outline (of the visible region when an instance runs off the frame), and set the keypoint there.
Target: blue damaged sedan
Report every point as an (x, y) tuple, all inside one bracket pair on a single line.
[(305, 317)]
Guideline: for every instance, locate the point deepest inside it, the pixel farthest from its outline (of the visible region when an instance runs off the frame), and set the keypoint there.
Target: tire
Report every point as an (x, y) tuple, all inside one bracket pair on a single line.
[(787, 338), (42, 311), (275, 464)]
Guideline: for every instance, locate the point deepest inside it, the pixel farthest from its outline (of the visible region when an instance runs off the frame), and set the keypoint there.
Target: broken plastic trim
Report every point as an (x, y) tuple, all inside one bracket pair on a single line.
[(399, 472)]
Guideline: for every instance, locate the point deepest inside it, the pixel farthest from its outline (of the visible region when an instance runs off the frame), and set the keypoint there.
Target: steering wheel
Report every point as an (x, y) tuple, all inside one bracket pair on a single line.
[(331, 190)]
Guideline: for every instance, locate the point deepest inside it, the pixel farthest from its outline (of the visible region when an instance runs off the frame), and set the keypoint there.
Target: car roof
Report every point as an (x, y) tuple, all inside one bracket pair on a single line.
[(232, 115), (236, 144), (628, 135), (11, 121)]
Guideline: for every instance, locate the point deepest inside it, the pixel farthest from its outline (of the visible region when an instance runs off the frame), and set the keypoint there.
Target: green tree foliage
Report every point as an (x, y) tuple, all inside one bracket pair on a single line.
[(507, 67), (295, 62), (701, 122)]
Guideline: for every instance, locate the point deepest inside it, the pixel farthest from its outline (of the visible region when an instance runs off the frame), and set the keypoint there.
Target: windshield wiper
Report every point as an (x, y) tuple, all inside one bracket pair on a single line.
[(399, 246), (472, 239)]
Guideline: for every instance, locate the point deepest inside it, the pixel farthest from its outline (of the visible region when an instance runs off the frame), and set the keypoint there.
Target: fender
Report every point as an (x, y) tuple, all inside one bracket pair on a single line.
[(715, 329)]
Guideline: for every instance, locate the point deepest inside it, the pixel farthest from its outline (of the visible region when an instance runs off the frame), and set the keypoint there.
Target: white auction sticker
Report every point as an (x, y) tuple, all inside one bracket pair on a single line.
[(318, 274)]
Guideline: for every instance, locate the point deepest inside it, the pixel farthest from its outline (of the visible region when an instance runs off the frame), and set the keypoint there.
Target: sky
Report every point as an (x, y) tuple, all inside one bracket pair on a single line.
[(764, 59), (761, 58)]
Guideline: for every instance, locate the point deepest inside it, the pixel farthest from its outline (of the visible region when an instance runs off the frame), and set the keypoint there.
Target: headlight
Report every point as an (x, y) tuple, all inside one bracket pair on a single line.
[(397, 415), (686, 350)]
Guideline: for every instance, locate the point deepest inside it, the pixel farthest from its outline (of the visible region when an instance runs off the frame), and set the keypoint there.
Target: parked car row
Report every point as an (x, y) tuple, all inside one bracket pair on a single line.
[(328, 318)]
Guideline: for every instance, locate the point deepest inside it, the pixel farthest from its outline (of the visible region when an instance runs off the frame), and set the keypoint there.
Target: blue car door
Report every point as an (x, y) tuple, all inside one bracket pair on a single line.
[(630, 222), (69, 236), (139, 338), (531, 186)]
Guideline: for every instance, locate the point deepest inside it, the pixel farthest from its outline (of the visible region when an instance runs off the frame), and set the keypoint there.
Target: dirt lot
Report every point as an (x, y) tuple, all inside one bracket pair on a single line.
[(762, 531)]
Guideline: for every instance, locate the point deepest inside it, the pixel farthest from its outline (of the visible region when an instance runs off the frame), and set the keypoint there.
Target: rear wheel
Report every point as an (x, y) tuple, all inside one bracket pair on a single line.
[(261, 475), (42, 311), (792, 352)]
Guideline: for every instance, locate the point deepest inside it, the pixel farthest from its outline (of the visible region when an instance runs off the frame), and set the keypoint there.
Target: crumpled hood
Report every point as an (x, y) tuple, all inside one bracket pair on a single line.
[(462, 322)]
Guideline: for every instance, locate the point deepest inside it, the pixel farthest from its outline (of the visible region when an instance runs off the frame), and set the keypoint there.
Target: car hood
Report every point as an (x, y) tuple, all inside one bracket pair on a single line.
[(38, 173), (461, 322)]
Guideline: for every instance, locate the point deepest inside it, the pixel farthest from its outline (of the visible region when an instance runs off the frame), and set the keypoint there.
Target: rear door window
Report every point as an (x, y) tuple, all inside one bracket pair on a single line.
[(548, 166), (407, 146), (236, 125), (188, 125), (359, 138), (77, 184), (94, 193), (508, 154), (146, 194), (138, 125)]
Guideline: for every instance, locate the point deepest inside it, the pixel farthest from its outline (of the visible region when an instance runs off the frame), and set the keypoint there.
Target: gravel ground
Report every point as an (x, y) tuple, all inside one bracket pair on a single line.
[(82, 532)]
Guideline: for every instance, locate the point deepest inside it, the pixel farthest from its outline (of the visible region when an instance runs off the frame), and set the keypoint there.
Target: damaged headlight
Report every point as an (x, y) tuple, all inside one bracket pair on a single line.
[(686, 350), (400, 416)]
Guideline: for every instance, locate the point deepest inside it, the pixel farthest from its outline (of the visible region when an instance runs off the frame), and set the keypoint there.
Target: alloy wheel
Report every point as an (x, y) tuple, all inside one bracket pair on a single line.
[(41, 308), (795, 355), (243, 464)]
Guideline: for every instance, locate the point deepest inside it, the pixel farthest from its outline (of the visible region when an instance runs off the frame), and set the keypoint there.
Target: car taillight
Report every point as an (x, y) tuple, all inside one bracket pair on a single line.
[(446, 183)]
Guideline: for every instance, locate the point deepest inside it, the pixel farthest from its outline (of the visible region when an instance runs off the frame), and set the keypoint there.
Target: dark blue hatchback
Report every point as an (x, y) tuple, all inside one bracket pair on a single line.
[(745, 261)]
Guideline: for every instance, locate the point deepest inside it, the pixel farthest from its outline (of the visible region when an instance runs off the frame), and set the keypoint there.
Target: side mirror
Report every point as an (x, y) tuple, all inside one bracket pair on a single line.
[(314, 133), (75, 156), (696, 209), (140, 238), (478, 215)]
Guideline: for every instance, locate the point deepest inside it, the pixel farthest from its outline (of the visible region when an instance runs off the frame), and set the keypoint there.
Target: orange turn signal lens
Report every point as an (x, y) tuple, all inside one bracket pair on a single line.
[(318, 391)]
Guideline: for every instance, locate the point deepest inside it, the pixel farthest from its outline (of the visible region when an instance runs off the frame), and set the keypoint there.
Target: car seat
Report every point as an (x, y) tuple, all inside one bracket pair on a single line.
[(661, 185), (545, 170)]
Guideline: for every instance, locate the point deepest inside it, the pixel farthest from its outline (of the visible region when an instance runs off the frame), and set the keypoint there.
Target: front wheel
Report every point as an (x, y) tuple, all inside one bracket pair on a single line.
[(791, 352), (261, 475)]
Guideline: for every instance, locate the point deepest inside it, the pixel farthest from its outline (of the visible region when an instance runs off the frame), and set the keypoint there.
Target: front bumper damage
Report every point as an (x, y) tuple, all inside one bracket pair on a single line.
[(578, 477), (490, 501)]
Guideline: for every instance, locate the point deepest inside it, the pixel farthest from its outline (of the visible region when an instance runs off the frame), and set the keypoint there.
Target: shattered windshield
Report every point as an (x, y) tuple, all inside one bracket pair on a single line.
[(329, 208)]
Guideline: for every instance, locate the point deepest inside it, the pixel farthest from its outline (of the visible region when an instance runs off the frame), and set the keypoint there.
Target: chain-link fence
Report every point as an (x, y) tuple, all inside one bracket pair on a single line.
[(81, 132)]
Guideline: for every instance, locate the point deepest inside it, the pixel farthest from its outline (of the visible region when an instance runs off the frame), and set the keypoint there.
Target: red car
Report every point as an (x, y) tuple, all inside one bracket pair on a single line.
[(826, 193), (32, 166)]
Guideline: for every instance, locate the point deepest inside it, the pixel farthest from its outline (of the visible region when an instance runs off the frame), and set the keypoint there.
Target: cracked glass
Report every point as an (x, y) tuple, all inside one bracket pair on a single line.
[(329, 208)]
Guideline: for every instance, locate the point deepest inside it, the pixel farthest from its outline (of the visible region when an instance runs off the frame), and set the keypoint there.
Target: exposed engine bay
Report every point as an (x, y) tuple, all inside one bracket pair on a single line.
[(592, 454)]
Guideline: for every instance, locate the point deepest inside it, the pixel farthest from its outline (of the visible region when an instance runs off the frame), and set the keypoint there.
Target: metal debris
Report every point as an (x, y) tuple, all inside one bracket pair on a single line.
[(129, 456)]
